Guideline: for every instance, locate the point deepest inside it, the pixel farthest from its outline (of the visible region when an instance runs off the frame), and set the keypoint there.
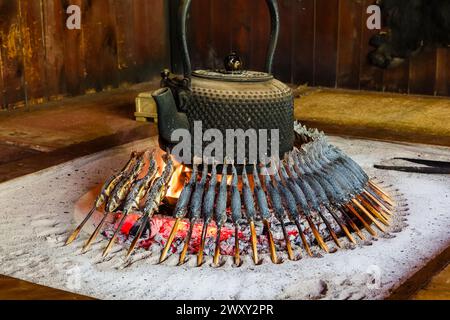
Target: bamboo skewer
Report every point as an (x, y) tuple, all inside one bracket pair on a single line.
[(353, 225), (365, 224), (172, 235), (182, 259), (254, 243), (377, 224), (94, 235), (342, 226), (303, 238)]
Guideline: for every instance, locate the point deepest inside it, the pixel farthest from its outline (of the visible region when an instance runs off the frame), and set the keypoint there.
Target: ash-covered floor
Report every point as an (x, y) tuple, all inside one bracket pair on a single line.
[(37, 216)]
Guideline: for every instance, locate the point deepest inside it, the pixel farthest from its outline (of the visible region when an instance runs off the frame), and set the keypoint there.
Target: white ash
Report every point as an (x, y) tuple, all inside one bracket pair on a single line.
[(36, 219)]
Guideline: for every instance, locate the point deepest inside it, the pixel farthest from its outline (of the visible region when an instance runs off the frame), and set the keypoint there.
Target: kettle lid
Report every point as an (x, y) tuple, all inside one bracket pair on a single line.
[(233, 76)]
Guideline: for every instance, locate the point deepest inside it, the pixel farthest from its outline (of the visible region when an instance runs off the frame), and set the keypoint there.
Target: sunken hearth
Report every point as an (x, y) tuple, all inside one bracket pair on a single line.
[(317, 195)]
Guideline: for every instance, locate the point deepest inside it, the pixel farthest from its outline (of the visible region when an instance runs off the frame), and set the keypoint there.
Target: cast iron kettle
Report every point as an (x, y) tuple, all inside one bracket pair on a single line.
[(226, 99)]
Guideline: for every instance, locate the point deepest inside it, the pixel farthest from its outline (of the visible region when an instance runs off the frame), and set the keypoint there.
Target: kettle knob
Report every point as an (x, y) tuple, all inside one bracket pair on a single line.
[(233, 62)]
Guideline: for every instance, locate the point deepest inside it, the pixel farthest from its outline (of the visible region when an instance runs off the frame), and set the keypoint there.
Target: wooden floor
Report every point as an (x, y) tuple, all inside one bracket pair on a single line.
[(437, 289), (13, 289)]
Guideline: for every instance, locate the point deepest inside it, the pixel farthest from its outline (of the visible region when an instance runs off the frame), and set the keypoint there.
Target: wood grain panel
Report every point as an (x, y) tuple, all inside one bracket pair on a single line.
[(260, 34), (326, 41), (101, 45), (303, 38), (74, 52), (284, 54), (33, 50), (152, 44), (2, 86), (443, 72), (126, 41), (350, 19), (199, 34), (12, 53), (53, 25), (371, 78), (241, 41), (422, 72), (397, 79), (220, 26)]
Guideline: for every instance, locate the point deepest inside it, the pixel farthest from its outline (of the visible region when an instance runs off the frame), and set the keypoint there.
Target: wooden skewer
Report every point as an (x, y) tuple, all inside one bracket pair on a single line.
[(365, 224), (138, 235), (94, 234), (77, 231), (378, 203), (379, 214), (317, 235), (288, 242), (302, 236), (172, 235), (217, 249), (330, 229), (237, 254), (353, 225), (254, 242), (342, 226), (272, 248), (202, 245), (382, 194), (186, 244), (116, 233), (379, 226)]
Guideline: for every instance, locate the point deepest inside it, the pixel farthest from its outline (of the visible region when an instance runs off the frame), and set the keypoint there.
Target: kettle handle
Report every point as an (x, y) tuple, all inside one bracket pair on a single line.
[(275, 31)]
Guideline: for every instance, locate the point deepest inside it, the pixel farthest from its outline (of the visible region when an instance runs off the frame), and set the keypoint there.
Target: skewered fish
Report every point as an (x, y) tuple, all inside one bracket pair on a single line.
[(236, 213), (120, 191), (105, 192), (155, 197), (137, 193), (277, 194), (250, 211), (195, 209), (221, 210), (208, 211), (264, 210), (181, 210)]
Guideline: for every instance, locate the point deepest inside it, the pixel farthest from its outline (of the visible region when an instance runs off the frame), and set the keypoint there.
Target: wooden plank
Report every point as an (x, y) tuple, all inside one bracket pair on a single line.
[(326, 41), (284, 54), (12, 54), (101, 45), (350, 17), (423, 73), (371, 77), (199, 35), (242, 17), (126, 41), (303, 43), (260, 34), (33, 49), (397, 79), (443, 72), (152, 42), (2, 88), (220, 15), (54, 24), (74, 52)]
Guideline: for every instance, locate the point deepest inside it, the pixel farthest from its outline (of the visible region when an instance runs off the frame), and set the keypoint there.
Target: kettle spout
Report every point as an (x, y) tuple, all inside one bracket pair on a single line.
[(169, 118)]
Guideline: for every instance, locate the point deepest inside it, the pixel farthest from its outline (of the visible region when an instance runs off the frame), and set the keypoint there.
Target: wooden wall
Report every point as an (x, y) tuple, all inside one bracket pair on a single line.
[(322, 43), (120, 42)]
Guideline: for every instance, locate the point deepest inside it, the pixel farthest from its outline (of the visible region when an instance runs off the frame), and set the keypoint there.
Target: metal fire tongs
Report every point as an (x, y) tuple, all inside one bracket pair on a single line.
[(427, 166)]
